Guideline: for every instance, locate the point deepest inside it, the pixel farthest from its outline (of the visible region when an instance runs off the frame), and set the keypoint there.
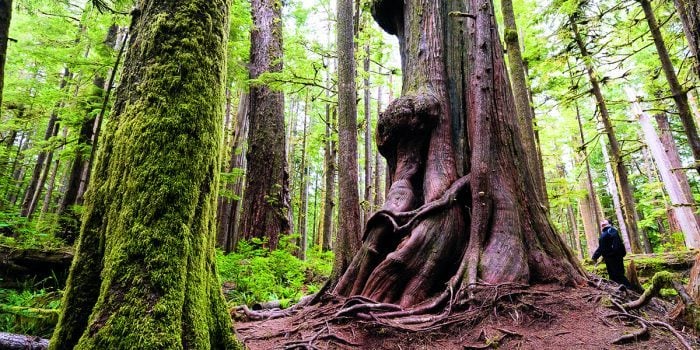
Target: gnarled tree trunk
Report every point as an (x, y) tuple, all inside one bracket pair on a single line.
[(446, 221)]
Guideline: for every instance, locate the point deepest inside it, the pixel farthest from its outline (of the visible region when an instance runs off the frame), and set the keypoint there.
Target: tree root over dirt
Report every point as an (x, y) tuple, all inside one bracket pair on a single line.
[(342, 323)]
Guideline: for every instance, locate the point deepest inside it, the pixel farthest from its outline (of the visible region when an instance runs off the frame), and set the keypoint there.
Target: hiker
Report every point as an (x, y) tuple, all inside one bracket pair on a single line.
[(611, 248)]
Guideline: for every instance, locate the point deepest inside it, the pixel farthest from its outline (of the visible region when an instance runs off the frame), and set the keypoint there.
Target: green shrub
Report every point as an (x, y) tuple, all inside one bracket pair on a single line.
[(254, 274)]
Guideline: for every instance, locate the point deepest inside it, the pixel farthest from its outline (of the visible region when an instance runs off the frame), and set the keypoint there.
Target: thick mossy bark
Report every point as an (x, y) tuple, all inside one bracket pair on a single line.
[(463, 204), (144, 274)]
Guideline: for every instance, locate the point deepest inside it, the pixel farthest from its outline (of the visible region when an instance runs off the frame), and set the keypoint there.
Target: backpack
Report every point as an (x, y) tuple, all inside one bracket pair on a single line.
[(618, 247)]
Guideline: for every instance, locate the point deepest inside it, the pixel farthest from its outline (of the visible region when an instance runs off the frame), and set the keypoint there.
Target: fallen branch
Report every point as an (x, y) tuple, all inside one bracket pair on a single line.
[(10, 341)]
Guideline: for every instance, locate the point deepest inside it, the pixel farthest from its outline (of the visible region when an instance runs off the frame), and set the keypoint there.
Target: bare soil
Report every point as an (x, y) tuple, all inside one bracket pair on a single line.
[(538, 317)]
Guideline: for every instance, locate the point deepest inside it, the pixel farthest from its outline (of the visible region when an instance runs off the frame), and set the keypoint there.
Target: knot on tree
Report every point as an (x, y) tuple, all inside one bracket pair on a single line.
[(410, 117), (388, 14)]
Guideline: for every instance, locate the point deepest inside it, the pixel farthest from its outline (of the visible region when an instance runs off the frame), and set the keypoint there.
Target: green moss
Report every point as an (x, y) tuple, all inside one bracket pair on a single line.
[(511, 36), (145, 270)]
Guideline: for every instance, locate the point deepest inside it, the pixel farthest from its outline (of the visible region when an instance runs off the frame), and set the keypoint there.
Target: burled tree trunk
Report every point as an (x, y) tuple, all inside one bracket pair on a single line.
[(144, 273), (426, 241), (5, 18), (680, 96), (266, 199), (618, 165), (347, 240), (521, 92)]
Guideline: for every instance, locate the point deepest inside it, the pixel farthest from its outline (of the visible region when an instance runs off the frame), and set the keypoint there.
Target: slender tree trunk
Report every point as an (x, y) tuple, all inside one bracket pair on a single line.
[(674, 158), (144, 271), (69, 220), (574, 233), (378, 164), (27, 203), (5, 18), (329, 166), (522, 99), (589, 208), (620, 172), (615, 195), (303, 187), (689, 12), (424, 244), (367, 199), (49, 190), (680, 95), (682, 204), (348, 238), (228, 229), (266, 198)]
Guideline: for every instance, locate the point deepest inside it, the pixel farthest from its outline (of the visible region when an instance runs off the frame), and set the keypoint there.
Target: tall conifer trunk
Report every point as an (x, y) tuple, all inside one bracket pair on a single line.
[(348, 237), (689, 12), (680, 95), (144, 273), (5, 18), (618, 165), (521, 92), (266, 199)]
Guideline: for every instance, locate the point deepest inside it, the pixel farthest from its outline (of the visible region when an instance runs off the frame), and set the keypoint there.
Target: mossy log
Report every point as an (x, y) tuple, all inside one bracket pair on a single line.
[(10, 341), (649, 264), (19, 263)]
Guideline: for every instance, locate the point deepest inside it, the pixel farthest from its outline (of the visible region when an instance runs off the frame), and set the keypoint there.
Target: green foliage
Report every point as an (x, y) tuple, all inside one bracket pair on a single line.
[(256, 274), (17, 231), (29, 312)]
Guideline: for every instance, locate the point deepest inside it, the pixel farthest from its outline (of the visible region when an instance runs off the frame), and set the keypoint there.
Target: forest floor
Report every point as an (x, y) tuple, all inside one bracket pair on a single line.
[(538, 317)]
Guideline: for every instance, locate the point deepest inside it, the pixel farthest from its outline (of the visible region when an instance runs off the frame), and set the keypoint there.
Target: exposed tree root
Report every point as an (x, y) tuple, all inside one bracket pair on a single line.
[(617, 300)]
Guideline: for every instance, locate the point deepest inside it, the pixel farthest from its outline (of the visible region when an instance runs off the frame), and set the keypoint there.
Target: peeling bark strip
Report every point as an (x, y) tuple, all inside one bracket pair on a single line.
[(438, 231), (266, 198), (144, 274)]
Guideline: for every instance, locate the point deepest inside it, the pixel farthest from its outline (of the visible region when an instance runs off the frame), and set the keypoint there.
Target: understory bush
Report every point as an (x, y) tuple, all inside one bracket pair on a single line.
[(33, 312), (254, 274)]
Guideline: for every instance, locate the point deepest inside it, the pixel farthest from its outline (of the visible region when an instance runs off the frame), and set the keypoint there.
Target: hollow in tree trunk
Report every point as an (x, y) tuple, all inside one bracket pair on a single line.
[(144, 273), (447, 223)]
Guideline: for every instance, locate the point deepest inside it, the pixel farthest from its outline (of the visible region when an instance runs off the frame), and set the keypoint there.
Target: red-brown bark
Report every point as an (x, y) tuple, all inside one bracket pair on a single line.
[(462, 204), (266, 198)]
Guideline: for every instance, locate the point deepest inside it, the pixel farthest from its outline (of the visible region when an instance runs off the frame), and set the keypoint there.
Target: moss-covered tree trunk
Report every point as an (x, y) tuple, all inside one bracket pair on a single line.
[(144, 274), (453, 215), (266, 198), (5, 17)]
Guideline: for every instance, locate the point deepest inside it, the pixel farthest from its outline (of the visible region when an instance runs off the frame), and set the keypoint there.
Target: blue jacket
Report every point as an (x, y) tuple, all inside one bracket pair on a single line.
[(609, 244)]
